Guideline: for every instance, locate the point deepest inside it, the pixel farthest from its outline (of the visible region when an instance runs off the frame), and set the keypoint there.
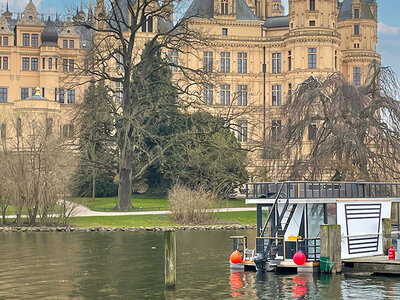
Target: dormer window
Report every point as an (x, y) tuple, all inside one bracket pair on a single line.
[(224, 7), (356, 13), (312, 5)]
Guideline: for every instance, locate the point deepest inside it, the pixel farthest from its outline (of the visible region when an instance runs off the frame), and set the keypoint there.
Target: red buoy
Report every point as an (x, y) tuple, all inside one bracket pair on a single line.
[(299, 258), (392, 253), (236, 257)]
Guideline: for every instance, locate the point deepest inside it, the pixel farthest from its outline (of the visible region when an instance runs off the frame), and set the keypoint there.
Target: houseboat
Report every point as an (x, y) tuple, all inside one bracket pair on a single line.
[(289, 215)]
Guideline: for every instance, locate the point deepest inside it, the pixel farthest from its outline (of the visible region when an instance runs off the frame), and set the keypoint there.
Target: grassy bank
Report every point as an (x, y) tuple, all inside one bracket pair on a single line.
[(143, 203), (160, 220)]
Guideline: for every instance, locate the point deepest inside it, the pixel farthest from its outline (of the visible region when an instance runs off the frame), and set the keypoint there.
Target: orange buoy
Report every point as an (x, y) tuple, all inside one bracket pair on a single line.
[(236, 257), (299, 258)]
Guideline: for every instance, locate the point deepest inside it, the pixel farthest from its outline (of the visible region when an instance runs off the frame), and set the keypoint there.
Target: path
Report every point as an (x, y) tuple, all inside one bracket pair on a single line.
[(83, 211)]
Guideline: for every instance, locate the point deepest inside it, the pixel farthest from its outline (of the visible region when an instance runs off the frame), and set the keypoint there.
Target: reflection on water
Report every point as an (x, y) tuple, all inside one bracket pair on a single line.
[(124, 265)]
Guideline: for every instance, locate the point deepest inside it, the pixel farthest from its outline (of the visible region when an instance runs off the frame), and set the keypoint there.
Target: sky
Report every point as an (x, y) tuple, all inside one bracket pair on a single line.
[(388, 27)]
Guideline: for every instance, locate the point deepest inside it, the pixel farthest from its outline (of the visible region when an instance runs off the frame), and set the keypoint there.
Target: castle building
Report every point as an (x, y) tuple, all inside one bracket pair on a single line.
[(258, 54)]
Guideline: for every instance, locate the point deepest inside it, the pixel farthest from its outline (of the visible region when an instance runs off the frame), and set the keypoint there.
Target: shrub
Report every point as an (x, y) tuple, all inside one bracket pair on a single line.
[(189, 206)]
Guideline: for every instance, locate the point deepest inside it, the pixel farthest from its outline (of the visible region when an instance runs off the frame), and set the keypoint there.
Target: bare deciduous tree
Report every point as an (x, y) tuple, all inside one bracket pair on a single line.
[(342, 130)]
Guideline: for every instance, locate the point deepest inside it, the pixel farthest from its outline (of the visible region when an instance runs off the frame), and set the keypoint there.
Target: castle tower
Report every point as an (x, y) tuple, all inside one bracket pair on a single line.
[(312, 13), (314, 41), (357, 24)]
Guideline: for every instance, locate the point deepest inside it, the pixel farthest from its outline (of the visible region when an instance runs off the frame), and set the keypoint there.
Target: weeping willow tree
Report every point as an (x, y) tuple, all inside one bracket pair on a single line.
[(340, 131)]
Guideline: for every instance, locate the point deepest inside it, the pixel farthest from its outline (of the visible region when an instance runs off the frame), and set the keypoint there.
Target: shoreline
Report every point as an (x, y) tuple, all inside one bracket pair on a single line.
[(125, 229)]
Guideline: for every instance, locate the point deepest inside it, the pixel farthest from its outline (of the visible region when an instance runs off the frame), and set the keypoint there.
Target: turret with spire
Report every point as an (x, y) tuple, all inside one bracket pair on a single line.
[(7, 14)]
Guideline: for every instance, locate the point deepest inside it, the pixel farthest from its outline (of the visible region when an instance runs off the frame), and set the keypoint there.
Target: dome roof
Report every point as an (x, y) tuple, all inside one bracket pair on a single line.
[(50, 35), (37, 95)]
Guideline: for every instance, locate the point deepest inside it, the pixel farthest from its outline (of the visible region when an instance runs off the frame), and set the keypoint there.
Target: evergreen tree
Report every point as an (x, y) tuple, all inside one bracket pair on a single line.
[(96, 170)]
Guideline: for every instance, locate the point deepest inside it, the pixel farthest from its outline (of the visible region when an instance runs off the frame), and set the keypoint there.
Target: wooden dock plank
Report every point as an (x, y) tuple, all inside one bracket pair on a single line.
[(375, 264)]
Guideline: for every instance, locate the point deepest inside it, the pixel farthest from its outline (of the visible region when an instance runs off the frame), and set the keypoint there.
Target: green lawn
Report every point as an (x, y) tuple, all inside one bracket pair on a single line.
[(140, 203), (242, 217), (124, 221), (159, 220)]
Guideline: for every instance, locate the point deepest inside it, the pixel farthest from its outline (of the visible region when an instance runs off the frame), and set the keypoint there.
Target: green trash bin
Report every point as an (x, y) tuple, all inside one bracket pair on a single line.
[(325, 264)]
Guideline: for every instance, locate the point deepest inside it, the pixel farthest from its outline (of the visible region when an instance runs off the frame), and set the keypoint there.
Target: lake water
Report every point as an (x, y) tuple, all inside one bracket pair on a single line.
[(123, 265)]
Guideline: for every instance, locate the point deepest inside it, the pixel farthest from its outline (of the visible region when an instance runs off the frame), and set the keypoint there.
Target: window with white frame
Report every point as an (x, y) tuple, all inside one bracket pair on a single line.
[(208, 94), (242, 94), (242, 131), (225, 62), (225, 94), (208, 61), (242, 62), (277, 95)]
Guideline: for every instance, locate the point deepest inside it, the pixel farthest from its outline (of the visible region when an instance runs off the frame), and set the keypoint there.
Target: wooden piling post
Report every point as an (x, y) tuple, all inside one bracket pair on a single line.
[(331, 245), (170, 259), (386, 235)]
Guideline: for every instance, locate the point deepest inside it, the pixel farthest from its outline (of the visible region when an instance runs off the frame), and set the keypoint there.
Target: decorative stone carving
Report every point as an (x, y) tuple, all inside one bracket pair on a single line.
[(4, 28), (30, 16)]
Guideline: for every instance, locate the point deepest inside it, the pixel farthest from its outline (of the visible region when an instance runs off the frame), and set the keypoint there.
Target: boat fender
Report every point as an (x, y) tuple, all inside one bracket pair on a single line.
[(236, 257)]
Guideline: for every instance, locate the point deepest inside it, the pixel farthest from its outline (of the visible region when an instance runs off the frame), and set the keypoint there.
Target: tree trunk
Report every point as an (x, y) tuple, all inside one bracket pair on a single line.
[(93, 184), (125, 180)]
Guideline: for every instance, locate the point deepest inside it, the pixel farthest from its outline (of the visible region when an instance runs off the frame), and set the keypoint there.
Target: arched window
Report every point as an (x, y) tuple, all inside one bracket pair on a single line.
[(224, 7)]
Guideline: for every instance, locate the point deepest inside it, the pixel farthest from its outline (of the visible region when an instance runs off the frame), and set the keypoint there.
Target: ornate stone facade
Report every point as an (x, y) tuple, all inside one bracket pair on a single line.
[(258, 54)]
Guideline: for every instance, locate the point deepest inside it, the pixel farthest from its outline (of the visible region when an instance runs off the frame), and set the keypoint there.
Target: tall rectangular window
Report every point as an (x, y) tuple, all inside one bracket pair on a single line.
[(71, 96), (356, 29), (34, 64), (34, 40), (65, 44), (72, 44), (336, 60), (242, 130), (225, 62), (65, 65), (173, 60), (225, 94), (224, 31), (61, 96), (25, 39), (147, 26), (224, 7), (5, 41), (207, 61), (276, 129), (3, 131), (356, 13), (357, 75), (312, 132), (290, 91), (277, 95), (242, 62), (71, 65), (276, 63), (312, 58), (25, 63), (242, 94), (150, 24), (290, 60), (50, 63), (208, 94), (3, 94), (5, 63), (118, 92), (312, 5), (24, 93)]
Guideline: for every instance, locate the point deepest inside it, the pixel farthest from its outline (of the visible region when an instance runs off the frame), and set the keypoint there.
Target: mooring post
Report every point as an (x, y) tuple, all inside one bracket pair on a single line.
[(170, 259), (331, 245), (386, 235)]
